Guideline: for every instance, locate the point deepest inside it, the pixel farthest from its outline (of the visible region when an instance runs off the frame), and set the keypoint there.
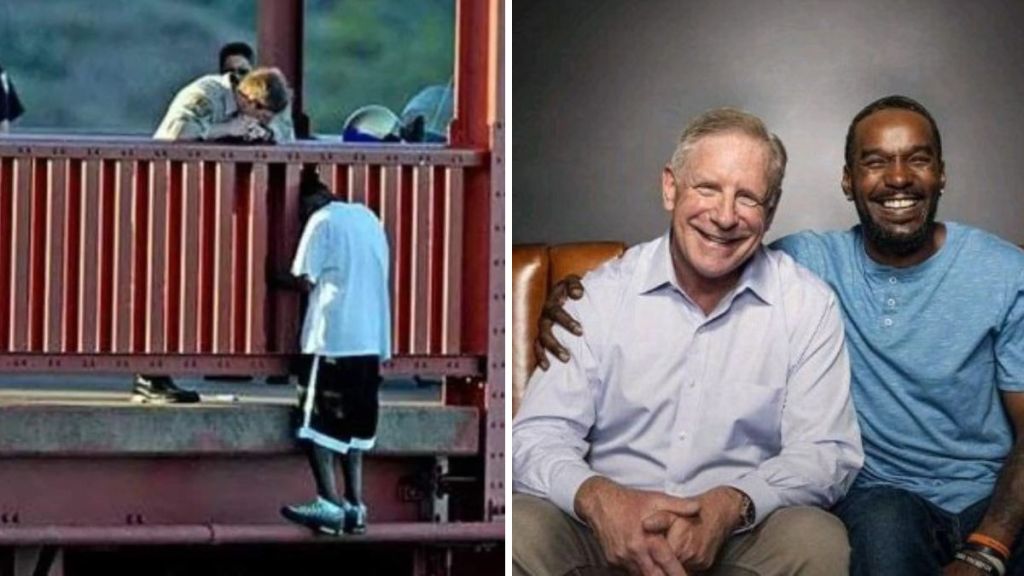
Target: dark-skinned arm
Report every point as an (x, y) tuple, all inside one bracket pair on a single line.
[(282, 280), (1005, 516), (553, 313)]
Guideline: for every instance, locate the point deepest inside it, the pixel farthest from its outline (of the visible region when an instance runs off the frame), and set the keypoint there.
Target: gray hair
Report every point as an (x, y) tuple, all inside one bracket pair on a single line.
[(722, 120)]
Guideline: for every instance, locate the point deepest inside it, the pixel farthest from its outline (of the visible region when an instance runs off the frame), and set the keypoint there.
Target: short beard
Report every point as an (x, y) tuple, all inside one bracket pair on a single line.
[(897, 244)]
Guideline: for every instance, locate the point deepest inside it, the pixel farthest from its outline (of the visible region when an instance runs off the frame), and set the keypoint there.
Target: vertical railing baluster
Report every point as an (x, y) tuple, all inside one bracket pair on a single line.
[(56, 223), (140, 255), (389, 216), (403, 296), (357, 182), (89, 259), (420, 250), (177, 281), (20, 256), (438, 193), (195, 308), (224, 254), (38, 254), (105, 303), (256, 336), (241, 249), (157, 249), (125, 201), (6, 247), (455, 210)]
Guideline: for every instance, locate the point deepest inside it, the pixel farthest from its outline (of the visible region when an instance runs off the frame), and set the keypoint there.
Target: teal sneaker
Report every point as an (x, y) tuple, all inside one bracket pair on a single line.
[(321, 515), (355, 518)]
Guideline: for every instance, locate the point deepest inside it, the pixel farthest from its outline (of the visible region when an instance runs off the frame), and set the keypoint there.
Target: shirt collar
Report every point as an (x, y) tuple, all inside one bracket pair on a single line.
[(756, 276), (230, 104)]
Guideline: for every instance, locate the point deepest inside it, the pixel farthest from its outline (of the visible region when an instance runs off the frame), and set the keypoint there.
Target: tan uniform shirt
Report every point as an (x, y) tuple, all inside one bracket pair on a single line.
[(211, 100)]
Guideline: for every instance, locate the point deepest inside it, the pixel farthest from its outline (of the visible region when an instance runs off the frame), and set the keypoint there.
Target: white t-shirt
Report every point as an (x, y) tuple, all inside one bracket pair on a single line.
[(344, 253)]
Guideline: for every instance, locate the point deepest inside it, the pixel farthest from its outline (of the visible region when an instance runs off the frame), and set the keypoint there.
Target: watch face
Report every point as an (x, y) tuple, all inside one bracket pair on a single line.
[(748, 513)]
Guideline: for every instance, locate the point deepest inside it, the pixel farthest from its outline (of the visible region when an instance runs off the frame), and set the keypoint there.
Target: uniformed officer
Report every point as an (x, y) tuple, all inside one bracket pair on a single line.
[(209, 108), (235, 58), (255, 109)]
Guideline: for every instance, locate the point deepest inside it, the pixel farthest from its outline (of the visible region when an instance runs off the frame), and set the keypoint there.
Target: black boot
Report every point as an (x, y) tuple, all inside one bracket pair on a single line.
[(161, 390)]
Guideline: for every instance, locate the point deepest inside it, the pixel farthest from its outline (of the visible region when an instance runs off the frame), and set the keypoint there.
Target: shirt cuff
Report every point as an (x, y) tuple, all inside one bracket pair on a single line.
[(566, 484), (761, 494), (298, 272)]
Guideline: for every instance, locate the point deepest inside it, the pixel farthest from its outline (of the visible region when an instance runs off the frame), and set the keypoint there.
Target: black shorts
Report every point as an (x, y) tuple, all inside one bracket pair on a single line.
[(345, 406)]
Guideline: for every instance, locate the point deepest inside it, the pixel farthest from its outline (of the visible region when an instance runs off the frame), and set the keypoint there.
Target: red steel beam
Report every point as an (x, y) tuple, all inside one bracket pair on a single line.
[(281, 25), (386, 532), (494, 429), (478, 123), (471, 127), (210, 364), (306, 152)]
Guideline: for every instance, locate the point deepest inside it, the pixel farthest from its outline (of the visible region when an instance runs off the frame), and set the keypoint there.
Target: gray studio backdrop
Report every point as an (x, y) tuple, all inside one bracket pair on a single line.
[(601, 91)]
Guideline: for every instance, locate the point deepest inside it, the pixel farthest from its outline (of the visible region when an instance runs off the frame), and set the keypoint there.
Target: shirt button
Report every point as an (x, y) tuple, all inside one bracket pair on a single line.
[(892, 280), (887, 322), (682, 435), (891, 302)]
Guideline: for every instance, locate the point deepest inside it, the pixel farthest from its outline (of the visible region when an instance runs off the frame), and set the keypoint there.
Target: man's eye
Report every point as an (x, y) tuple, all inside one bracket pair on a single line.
[(747, 201)]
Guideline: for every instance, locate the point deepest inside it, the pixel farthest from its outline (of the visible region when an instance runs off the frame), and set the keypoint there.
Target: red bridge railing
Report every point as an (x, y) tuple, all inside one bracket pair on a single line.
[(121, 255)]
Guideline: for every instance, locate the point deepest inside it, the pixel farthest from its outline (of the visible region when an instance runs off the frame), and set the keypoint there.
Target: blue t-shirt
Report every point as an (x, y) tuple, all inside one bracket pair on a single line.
[(344, 252), (931, 346)]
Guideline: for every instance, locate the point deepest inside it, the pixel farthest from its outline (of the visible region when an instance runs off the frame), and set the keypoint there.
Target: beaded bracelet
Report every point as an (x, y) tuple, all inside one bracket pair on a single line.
[(989, 542), (980, 562)]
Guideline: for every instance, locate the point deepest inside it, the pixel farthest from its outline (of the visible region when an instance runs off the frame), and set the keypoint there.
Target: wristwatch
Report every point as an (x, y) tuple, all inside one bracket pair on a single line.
[(747, 511)]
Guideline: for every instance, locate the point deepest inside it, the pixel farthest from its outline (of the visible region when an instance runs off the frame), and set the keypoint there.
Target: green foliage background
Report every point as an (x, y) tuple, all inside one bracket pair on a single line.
[(112, 66)]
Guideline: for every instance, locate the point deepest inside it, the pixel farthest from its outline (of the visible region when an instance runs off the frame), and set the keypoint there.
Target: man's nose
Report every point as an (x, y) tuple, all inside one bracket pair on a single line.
[(897, 174), (724, 214)]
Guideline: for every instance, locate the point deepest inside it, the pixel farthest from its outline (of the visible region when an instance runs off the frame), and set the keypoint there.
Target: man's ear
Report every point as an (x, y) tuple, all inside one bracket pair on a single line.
[(669, 190), (770, 215), (847, 183), (942, 177)]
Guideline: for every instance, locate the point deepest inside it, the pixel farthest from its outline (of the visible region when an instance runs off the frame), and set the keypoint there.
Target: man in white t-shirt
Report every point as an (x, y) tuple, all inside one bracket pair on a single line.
[(342, 261)]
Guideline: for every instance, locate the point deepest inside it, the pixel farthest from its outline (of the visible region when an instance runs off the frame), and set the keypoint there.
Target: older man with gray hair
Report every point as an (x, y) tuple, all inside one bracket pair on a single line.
[(705, 417)]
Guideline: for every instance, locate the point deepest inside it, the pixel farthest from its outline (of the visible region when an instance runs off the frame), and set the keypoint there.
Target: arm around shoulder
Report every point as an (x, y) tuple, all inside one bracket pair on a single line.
[(548, 440)]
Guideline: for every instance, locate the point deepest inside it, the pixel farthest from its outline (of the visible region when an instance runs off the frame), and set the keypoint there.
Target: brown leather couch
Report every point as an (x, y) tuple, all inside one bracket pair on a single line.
[(535, 268)]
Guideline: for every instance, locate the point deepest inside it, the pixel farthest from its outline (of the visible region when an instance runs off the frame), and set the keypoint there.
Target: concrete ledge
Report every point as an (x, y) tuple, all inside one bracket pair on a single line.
[(48, 429)]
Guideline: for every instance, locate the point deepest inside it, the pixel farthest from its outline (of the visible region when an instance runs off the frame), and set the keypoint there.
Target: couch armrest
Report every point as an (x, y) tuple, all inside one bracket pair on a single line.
[(535, 267), (529, 289)]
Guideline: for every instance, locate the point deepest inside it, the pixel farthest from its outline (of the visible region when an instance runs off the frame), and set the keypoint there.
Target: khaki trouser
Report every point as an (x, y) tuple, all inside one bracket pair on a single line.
[(801, 540)]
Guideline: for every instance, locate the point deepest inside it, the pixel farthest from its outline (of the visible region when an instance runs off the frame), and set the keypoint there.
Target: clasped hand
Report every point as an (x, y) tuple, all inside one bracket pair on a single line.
[(248, 129), (652, 533)]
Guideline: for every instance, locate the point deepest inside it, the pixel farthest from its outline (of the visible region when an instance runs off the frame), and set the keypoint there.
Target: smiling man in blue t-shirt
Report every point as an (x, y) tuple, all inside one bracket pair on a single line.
[(935, 326)]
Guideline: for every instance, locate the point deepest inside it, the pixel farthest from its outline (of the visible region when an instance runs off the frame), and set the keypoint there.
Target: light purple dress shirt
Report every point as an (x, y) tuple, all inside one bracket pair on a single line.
[(659, 396)]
